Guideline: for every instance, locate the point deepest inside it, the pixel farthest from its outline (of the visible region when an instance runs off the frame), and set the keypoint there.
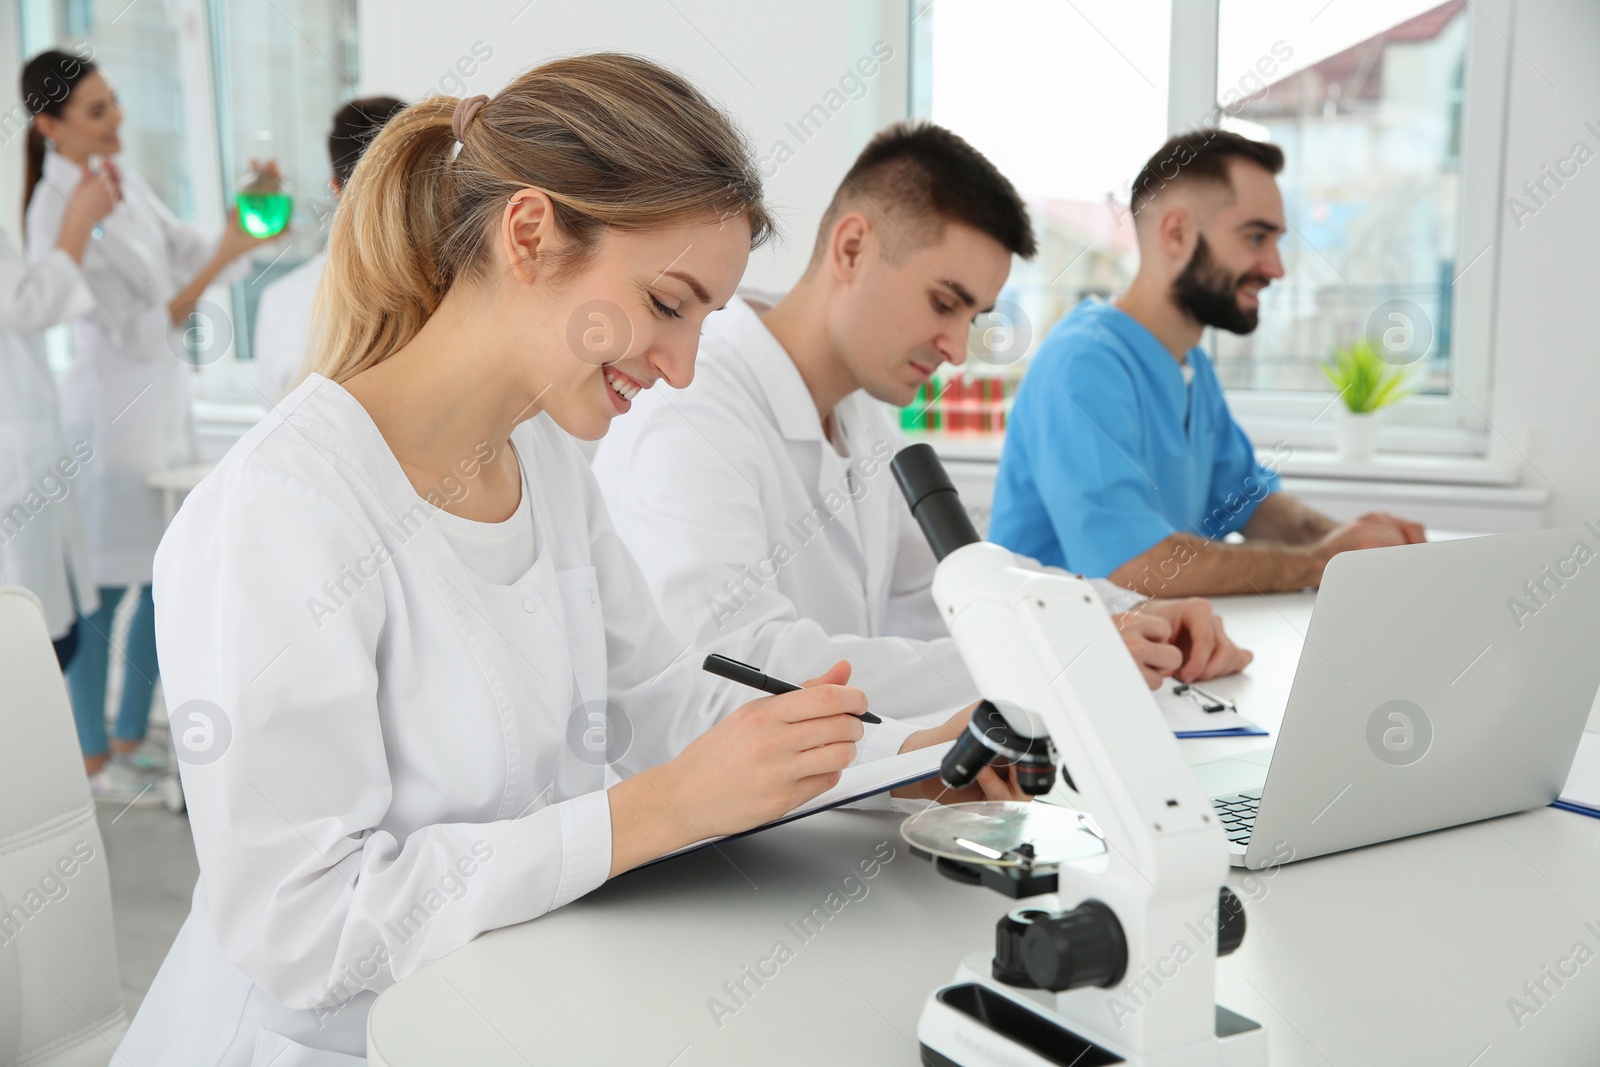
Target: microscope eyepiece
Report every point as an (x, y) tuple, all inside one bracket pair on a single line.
[(937, 508), (933, 499)]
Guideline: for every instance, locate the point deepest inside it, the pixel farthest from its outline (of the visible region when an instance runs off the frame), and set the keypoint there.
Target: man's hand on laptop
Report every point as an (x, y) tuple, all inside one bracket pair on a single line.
[(1375, 529), (1192, 647)]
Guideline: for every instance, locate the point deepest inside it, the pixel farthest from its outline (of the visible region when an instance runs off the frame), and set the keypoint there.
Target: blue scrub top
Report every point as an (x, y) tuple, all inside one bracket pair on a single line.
[(1108, 451)]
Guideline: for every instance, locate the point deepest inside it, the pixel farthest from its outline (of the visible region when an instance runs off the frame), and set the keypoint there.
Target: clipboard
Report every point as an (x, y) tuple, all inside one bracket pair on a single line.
[(1184, 711), (1189, 712), (1581, 795)]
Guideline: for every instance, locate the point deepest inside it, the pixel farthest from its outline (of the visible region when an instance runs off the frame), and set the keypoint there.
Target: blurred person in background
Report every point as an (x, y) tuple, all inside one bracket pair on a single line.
[(1122, 459), (42, 546), (126, 392)]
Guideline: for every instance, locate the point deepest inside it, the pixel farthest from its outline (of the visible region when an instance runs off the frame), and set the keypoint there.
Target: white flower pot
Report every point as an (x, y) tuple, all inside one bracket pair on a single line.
[(1356, 435)]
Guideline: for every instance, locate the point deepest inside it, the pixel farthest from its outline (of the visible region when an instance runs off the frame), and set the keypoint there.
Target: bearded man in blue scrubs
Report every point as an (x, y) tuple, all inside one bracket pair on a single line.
[(1121, 459)]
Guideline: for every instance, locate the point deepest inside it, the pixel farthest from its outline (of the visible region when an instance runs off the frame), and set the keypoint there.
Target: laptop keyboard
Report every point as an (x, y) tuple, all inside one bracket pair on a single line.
[(1238, 814)]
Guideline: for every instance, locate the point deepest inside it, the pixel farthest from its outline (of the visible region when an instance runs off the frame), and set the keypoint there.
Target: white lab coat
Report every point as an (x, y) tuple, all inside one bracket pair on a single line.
[(127, 390), (283, 321), (42, 545), (413, 756), (762, 542)]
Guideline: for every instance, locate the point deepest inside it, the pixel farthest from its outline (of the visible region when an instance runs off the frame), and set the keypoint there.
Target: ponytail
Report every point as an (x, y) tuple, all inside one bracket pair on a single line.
[(383, 278), (614, 141), (36, 150), (47, 83)]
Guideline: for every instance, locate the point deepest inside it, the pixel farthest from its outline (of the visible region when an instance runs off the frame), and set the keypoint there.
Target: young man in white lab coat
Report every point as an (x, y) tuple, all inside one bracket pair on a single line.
[(758, 501), (283, 318)]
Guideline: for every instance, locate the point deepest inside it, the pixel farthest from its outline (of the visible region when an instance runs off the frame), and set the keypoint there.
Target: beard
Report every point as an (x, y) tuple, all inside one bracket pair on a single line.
[(1208, 292)]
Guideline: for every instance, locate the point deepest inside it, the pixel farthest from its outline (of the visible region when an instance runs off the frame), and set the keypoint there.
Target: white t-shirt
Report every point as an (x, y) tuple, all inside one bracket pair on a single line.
[(497, 552)]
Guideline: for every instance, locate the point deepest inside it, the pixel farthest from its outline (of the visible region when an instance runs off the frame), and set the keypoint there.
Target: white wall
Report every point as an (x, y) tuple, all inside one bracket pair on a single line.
[(1546, 387), (767, 63)]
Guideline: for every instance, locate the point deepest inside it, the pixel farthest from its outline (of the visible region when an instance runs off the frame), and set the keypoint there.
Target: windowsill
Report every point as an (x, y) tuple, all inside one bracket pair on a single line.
[(1393, 467), (1320, 464)]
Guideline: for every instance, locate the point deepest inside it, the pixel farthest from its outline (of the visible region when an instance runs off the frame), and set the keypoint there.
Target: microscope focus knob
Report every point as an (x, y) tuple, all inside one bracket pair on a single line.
[(1009, 966), (1084, 946), (1230, 922)]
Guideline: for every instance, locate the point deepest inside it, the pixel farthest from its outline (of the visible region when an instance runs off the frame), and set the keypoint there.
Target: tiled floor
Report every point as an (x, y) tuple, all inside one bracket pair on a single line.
[(151, 854), (153, 871)]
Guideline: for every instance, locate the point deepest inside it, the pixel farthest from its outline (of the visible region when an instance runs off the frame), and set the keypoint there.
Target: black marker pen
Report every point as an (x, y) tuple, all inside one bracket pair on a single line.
[(745, 674)]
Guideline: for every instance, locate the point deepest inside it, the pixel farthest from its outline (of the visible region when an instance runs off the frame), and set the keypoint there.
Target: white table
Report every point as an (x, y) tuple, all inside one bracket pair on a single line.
[(175, 483), (1405, 953)]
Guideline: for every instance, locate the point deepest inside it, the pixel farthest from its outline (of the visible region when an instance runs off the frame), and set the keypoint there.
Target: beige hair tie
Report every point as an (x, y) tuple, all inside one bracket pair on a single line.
[(466, 111)]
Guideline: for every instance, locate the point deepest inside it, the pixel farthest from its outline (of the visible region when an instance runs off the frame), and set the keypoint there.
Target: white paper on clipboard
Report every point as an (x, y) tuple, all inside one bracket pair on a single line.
[(855, 783), (1188, 719)]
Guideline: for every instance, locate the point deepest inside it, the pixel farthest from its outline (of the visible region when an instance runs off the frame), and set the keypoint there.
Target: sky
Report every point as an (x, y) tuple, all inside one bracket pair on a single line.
[(1069, 97)]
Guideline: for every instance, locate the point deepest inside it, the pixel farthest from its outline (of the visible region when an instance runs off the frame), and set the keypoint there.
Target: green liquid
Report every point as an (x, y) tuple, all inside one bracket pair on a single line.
[(265, 214)]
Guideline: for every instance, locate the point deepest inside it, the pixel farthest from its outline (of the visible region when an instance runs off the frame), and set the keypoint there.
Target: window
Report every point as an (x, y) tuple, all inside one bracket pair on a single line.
[(280, 70), (1021, 81), (1026, 81), (1390, 113), (1365, 101)]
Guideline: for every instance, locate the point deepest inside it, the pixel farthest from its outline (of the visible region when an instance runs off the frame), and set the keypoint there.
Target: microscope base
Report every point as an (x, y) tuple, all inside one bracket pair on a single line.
[(968, 1024)]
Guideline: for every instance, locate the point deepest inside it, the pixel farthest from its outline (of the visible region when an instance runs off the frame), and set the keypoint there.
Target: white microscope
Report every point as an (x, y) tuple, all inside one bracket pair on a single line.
[(1111, 960)]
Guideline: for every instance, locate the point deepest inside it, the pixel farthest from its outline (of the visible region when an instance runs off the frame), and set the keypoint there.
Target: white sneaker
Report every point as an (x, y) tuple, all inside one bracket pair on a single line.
[(149, 758), (119, 784)]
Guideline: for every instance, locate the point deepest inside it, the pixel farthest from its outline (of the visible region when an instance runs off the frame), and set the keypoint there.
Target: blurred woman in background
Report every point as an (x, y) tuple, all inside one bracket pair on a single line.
[(126, 393), (42, 544)]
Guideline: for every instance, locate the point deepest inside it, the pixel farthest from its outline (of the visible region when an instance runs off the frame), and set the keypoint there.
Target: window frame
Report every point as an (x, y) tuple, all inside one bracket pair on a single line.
[(1454, 423)]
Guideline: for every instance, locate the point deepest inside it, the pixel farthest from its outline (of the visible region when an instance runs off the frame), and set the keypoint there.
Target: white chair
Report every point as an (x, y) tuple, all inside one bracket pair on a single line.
[(60, 997)]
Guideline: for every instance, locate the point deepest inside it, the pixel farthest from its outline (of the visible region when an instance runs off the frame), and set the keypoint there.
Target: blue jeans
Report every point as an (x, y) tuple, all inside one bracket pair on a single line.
[(86, 674), (66, 646)]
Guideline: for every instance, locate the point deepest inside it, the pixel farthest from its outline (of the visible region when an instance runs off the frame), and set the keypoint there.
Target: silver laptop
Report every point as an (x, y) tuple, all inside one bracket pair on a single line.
[(1439, 684)]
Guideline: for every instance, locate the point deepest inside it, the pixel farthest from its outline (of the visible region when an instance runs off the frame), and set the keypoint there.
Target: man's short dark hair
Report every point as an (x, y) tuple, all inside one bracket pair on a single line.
[(921, 177), (1200, 155), (355, 124)]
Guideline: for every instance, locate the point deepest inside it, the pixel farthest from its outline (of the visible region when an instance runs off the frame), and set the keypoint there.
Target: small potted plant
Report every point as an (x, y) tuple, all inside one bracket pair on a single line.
[(1366, 383)]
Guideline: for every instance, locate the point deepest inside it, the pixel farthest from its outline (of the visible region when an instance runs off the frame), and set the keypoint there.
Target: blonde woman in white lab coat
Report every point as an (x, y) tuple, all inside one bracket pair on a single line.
[(126, 392), (421, 684), (41, 536)]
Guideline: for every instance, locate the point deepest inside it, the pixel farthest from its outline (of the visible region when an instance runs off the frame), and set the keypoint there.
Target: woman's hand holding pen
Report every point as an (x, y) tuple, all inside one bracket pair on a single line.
[(771, 755)]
